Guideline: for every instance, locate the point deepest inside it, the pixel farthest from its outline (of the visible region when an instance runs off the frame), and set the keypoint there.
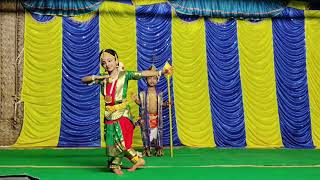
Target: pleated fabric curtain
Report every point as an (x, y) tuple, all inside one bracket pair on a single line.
[(61, 7), (258, 84), (154, 48), (226, 8), (80, 120), (41, 90), (118, 32), (312, 33), (236, 83), (224, 83), (291, 80)]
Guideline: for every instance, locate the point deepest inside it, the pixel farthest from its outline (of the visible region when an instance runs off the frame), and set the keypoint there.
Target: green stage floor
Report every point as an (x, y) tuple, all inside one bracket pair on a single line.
[(187, 163)]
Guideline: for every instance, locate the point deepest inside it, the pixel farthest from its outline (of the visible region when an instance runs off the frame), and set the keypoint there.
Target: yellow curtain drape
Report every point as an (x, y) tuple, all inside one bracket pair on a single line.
[(298, 5), (312, 32), (190, 82), (258, 84), (84, 17), (41, 91), (147, 2), (118, 32)]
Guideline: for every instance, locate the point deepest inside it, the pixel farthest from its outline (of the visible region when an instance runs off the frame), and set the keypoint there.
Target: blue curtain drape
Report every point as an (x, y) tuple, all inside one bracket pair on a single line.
[(186, 17), (224, 84), (291, 80), (80, 115), (42, 18), (154, 47), (123, 1)]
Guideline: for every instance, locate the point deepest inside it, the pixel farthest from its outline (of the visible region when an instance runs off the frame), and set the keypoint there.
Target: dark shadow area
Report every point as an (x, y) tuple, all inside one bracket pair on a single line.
[(18, 177)]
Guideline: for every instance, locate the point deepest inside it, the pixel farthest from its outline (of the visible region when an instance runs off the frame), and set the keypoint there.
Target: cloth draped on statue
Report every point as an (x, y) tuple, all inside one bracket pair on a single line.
[(151, 123)]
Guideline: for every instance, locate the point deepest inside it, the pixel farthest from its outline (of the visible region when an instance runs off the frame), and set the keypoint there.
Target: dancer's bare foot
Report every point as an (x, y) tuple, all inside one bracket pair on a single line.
[(140, 163), (117, 171)]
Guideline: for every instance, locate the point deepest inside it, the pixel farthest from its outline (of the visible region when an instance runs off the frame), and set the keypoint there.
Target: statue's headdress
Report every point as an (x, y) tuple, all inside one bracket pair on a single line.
[(154, 68)]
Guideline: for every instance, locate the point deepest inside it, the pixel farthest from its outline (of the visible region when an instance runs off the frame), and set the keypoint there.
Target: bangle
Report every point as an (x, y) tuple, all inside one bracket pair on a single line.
[(93, 77)]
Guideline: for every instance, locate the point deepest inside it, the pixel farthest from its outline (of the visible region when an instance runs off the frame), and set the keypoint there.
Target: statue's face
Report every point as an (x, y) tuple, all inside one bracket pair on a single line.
[(108, 62), (152, 81)]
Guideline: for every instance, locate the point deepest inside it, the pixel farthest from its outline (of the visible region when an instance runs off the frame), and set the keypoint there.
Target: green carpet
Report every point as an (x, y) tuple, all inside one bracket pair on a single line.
[(187, 163)]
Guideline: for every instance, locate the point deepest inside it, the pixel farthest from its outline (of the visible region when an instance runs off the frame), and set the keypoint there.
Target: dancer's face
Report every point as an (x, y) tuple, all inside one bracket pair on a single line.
[(152, 81), (108, 62)]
